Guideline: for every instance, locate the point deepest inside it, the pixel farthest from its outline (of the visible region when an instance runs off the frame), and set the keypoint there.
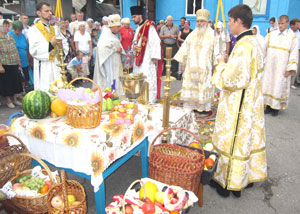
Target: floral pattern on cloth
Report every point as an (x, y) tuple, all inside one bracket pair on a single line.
[(107, 142)]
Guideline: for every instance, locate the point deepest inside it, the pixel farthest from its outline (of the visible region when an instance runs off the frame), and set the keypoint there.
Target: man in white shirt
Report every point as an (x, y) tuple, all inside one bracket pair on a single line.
[(295, 24)]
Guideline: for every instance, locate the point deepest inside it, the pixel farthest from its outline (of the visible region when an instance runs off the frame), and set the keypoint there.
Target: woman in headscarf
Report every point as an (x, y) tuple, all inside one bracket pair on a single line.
[(10, 84), (274, 24), (259, 37), (22, 46)]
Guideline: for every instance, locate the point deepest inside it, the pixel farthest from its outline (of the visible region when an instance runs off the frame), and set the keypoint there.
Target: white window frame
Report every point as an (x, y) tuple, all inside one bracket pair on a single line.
[(194, 5)]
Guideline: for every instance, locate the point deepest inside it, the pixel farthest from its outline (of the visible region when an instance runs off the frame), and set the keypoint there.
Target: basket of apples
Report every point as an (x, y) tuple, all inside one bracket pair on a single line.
[(66, 197), (31, 186)]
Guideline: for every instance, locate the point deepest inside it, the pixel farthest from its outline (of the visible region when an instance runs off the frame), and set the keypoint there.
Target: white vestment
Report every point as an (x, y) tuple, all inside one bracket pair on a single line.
[(148, 68), (281, 56), (45, 72), (108, 65), (198, 54)]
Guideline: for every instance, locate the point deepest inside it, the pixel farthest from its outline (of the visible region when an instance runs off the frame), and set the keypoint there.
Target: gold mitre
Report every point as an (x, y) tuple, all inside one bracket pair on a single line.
[(126, 20), (114, 20), (202, 14)]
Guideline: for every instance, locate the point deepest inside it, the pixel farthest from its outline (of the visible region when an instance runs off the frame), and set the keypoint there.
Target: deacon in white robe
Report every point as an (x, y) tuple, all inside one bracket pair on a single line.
[(42, 47), (152, 51), (108, 65), (197, 55), (281, 60)]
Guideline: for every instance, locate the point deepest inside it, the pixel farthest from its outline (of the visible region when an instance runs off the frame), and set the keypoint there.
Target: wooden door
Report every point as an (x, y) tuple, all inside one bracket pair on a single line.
[(150, 14)]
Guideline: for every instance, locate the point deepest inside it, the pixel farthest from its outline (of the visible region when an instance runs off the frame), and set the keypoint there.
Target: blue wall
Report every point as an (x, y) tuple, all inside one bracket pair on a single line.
[(176, 8)]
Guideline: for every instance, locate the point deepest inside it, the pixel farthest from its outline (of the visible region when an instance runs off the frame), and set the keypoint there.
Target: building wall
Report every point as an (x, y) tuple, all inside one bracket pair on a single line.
[(177, 10)]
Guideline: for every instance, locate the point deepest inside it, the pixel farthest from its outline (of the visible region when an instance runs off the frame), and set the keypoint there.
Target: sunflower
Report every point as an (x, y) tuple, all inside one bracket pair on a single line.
[(113, 129), (97, 164), (38, 132), (138, 132), (72, 139)]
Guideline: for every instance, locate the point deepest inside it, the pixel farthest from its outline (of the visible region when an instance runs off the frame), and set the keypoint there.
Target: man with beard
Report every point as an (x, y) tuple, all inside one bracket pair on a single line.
[(197, 55), (108, 66), (42, 47), (148, 54)]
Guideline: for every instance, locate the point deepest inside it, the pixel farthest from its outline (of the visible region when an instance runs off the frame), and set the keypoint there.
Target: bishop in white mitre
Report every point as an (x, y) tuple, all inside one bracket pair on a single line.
[(108, 66)]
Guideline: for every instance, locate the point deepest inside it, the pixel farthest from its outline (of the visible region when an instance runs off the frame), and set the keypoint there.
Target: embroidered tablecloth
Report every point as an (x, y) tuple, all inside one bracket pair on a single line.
[(91, 151)]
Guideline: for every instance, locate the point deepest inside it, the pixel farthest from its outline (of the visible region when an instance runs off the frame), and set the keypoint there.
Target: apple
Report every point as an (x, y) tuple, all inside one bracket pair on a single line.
[(57, 202), (53, 115), (148, 208), (71, 199), (17, 187), (128, 209)]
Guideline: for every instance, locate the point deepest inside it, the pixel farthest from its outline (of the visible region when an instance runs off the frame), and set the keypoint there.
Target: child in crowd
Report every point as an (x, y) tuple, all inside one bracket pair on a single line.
[(74, 66)]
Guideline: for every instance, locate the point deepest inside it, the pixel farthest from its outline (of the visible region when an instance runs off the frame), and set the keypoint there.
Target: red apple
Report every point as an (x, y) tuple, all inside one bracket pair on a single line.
[(148, 208), (57, 202)]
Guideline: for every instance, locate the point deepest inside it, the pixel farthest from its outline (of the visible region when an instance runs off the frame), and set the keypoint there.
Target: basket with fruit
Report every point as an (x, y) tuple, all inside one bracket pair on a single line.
[(66, 197), (8, 156), (31, 188), (84, 106), (149, 196)]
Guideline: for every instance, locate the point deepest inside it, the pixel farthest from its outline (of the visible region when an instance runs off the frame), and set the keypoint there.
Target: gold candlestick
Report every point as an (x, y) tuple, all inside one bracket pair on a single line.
[(62, 65), (166, 107)]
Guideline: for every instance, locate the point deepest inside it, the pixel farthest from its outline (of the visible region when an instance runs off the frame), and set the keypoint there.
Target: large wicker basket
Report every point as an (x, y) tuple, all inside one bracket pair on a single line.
[(84, 116), (65, 188), (176, 165), (31, 204), (8, 156)]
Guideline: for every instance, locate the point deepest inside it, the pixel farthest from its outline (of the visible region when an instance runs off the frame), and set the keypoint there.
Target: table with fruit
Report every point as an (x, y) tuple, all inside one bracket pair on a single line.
[(91, 151)]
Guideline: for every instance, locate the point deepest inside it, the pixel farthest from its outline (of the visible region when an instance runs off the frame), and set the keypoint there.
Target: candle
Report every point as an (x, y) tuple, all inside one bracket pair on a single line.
[(169, 52)]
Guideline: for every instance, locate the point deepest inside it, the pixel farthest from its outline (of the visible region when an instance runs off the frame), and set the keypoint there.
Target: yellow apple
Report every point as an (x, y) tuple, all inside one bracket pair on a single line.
[(71, 199)]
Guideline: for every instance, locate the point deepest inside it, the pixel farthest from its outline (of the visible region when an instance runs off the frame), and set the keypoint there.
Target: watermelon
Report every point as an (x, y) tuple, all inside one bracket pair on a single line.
[(36, 104)]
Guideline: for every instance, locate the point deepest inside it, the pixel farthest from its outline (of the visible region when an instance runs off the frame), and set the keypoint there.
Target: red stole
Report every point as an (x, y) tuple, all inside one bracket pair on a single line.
[(143, 34)]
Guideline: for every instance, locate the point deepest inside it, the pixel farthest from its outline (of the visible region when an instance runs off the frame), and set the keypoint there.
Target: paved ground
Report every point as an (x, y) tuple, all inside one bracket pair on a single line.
[(279, 194)]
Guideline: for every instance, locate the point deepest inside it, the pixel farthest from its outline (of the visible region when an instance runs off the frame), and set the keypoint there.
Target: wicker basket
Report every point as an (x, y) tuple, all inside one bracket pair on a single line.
[(84, 116), (123, 202), (31, 204), (65, 188), (176, 165), (8, 156)]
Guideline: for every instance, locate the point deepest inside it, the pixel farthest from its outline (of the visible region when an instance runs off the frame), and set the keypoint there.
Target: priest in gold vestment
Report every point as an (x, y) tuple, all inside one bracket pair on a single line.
[(239, 135), (197, 55)]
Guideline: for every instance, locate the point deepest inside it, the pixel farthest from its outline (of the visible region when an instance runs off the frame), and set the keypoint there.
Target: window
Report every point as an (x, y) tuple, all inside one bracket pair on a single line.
[(192, 6)]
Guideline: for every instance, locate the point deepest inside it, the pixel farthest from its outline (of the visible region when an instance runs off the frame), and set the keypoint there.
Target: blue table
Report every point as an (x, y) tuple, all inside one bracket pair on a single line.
[(100, 195)]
